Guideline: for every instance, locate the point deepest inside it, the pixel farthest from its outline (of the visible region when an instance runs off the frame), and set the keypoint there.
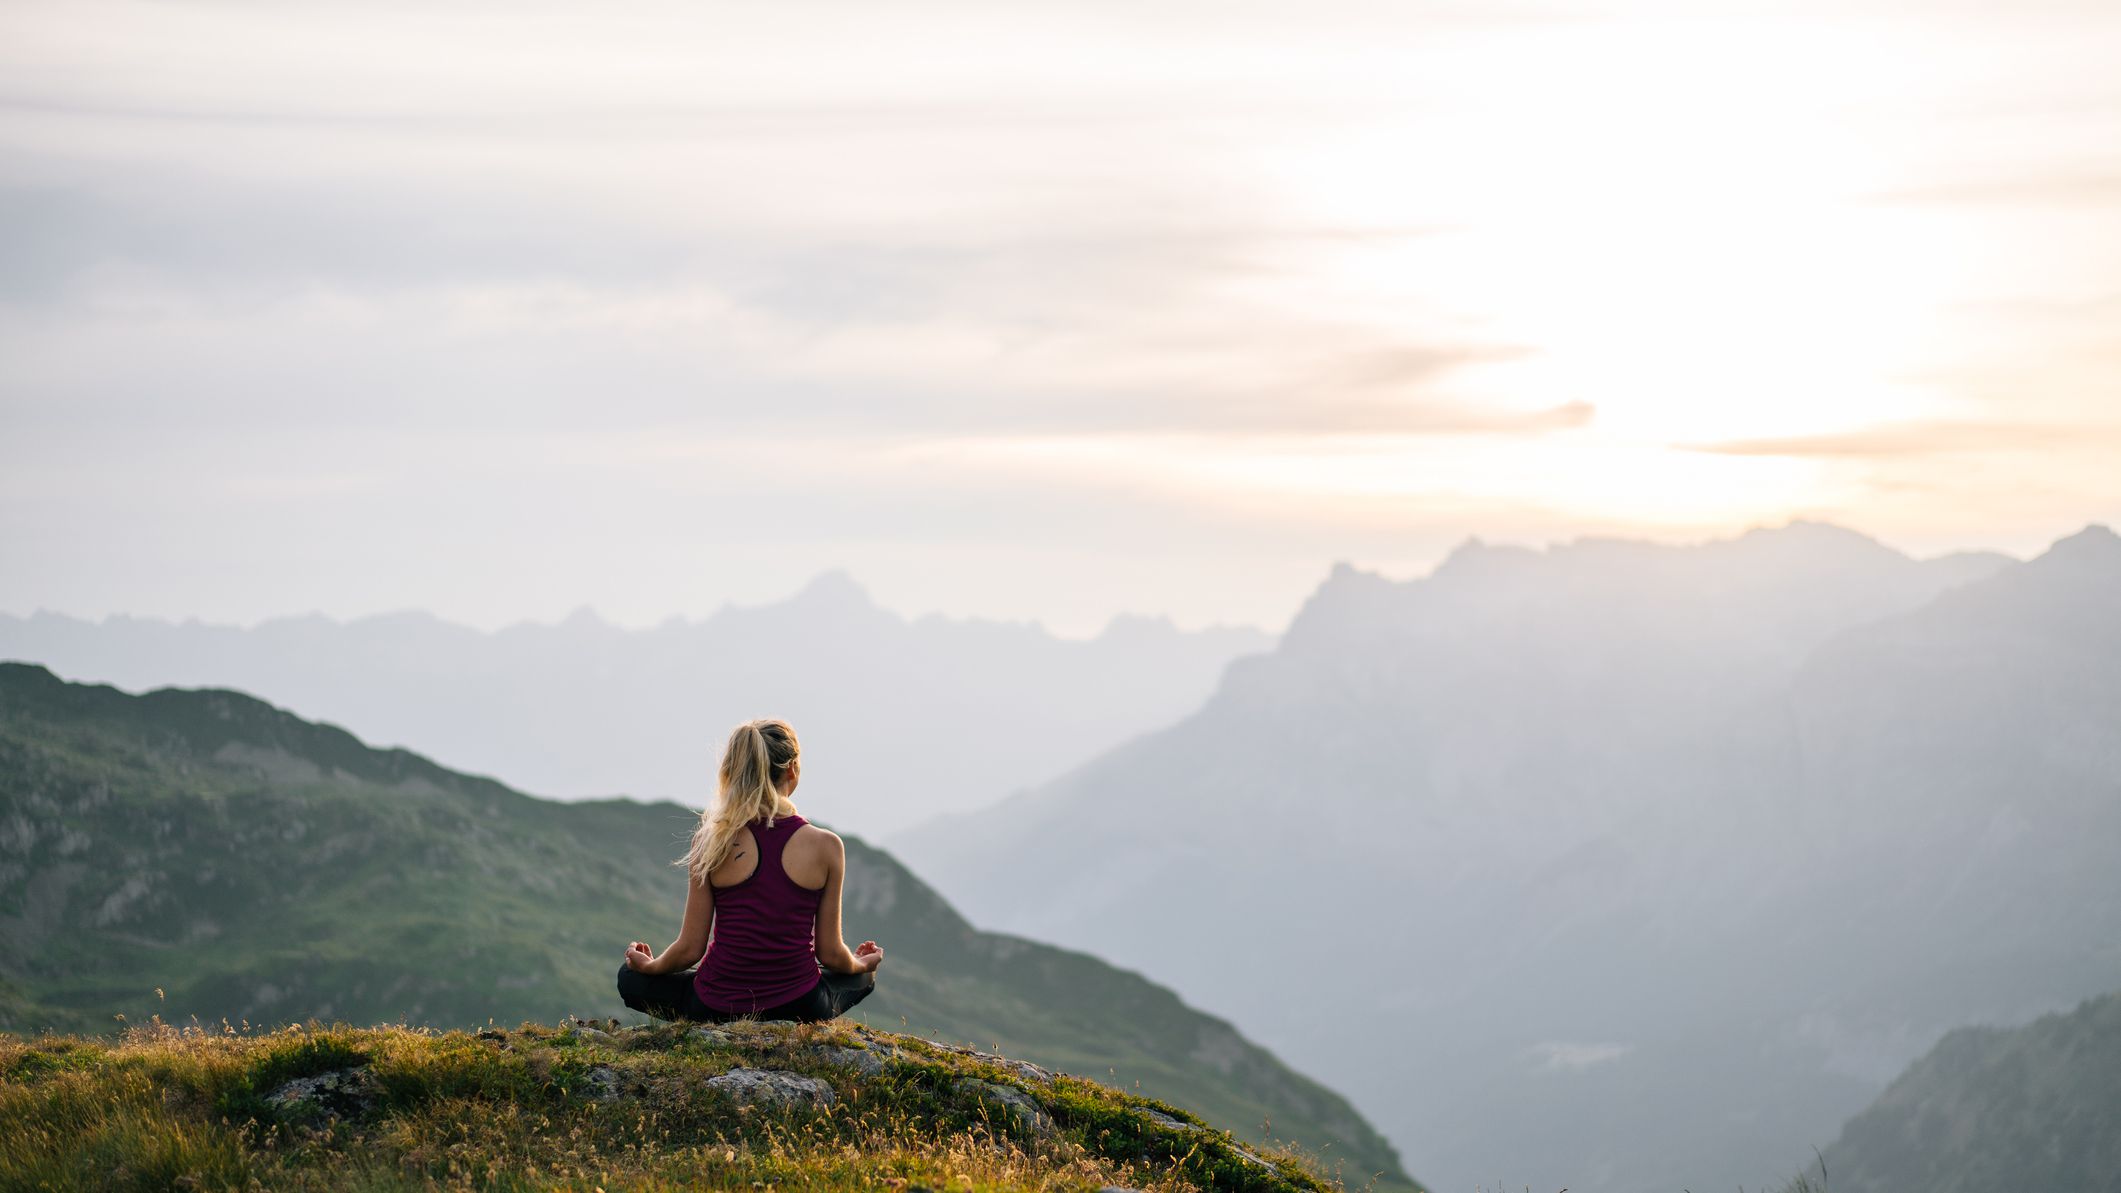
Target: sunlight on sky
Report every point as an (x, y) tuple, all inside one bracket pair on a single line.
[(1159, 282), (1611, 484), (1688, 244)]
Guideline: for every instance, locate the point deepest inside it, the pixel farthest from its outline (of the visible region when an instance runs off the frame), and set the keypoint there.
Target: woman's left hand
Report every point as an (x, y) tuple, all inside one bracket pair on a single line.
[(639, 957)]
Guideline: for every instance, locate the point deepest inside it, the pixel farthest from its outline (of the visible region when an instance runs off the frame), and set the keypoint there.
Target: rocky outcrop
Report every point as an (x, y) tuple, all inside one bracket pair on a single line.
[(773, 1087), (1017, 1108), (340, 1093)]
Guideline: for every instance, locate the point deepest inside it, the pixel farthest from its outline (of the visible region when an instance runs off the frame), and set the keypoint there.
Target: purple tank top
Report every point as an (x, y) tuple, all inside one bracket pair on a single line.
[(764, 951)]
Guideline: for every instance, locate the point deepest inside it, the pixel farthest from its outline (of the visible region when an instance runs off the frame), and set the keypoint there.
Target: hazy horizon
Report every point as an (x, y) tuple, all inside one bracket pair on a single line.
[(689, 617), (1083, 632)]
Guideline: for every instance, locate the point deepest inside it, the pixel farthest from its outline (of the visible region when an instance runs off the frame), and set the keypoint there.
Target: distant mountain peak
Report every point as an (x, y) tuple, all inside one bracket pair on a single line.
[(1348, 595), (1799, 537), (1347, 575), (833, 589), (2096, 540), (1473, 547), (1138, 627), (583, 618), (1477, 556), (2091, 556), (1809, 534)]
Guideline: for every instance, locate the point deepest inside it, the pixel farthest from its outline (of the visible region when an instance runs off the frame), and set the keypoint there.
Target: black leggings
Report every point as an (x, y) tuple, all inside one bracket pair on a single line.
[(671, 996)]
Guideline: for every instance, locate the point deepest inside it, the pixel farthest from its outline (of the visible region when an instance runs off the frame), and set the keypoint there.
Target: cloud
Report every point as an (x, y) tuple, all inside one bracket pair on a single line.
[(691, 359), (196, 286), (2045, 190), (1924, 438), (251, 242), (1558, 1056), (171, 294)]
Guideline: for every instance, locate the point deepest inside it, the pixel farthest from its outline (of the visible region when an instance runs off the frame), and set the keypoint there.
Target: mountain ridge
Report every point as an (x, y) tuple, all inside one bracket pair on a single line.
[(2036, 1106), (586, 709), (831, 588), (1592, 770), (304, 873)]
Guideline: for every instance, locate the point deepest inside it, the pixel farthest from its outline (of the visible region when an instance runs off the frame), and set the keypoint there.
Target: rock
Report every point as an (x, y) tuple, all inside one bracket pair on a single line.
[(1024, 1070), (603, 1083), (340, 1093), (1118, 1189), (772, 1087), (1167, 1122), (712, 1035), (866, 1061), (1171, 1124), (1023, 1112)]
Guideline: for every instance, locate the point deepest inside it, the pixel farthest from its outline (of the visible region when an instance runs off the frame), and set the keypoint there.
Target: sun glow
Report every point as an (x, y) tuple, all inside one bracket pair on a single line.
[(1675, 237)]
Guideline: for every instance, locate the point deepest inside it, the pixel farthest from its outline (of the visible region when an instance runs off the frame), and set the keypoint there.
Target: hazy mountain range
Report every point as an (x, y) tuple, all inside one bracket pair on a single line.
[(201, 853), (2036, 1107), (902, 719), (1613, 866), (1610, 866)]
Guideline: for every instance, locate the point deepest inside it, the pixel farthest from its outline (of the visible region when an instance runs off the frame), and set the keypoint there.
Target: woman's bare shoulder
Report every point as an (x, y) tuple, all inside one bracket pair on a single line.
[(817, 842)]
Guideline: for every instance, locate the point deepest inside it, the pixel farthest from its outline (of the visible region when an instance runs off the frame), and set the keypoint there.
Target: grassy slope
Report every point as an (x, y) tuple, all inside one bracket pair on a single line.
[(254, 866), (543, 1108), (2034, 1107)]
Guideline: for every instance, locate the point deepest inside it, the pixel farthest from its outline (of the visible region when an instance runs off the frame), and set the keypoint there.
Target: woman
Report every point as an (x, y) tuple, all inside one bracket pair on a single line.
[(768, 883)]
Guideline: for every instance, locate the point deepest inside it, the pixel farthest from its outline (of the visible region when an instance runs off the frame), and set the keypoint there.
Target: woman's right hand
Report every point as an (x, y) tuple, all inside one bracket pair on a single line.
[(639, 956), (869, 955)]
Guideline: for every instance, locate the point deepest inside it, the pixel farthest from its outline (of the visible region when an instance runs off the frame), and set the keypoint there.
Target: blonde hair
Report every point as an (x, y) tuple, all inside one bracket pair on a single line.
[(760, 755)]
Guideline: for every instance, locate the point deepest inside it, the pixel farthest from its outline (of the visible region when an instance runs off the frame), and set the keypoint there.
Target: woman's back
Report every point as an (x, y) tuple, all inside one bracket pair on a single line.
[(766, 885), (764, 949)]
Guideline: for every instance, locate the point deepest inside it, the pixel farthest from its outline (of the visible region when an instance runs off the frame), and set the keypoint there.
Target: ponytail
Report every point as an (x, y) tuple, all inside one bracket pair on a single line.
[(760, 755)]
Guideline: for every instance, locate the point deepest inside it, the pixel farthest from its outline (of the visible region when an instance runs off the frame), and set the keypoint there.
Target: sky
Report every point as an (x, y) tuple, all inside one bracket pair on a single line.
[(1028, 311)]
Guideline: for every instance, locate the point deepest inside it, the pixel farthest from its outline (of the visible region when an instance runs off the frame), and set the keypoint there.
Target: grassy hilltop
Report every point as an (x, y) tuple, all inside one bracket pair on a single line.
[(203, 855), (667, 1107)]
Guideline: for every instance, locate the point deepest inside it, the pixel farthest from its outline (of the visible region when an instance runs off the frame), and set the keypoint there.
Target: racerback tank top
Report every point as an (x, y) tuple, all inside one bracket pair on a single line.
[(764, 951)]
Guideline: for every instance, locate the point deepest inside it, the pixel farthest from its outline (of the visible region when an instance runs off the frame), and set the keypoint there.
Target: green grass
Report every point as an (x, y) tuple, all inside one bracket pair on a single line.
[(539, 1108)]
